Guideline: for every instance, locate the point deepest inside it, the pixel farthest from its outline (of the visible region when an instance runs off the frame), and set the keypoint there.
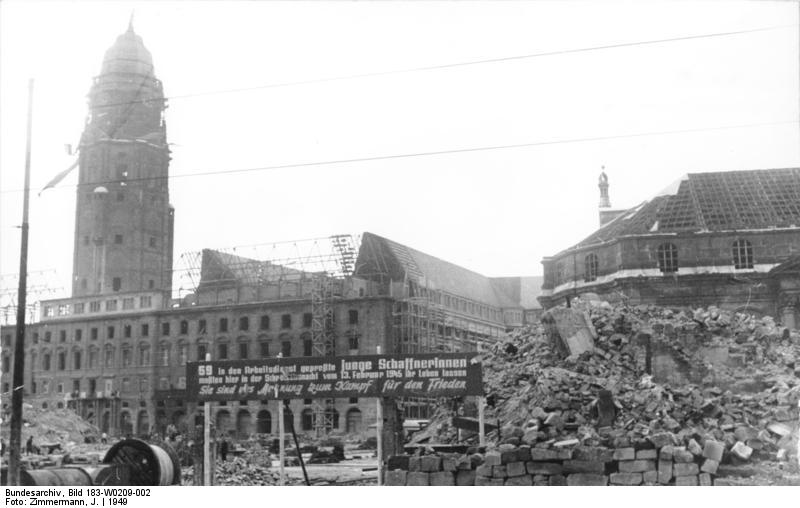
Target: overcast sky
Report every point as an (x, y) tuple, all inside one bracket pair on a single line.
[(497, 212)]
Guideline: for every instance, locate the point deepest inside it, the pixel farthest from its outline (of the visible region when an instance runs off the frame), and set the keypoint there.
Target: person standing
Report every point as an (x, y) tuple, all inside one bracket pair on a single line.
[(29, 445), (223, 450)]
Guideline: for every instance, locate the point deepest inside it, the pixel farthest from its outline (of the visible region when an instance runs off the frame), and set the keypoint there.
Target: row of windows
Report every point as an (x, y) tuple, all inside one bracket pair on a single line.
[(222, 352), (127, 330), (667, 259), (128, 303)]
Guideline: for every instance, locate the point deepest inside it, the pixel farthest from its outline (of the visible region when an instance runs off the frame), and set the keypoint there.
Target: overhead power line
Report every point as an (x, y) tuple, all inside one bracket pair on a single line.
[(429, 153), (460, 64)]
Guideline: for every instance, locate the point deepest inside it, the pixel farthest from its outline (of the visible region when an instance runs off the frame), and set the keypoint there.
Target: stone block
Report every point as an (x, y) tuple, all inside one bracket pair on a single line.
[(586, 480), (395, 478), (686, 481), (685, 469), (704, 479), (662, 439), (523, 454), (443, 479), (624, 454), (651, 454), (665, 452), (484, 470), (709, 466), (566, 443), (593, 454), (557, 480), (519, 481), (713, 450), (543, 455), (465, 478), (515, 469), (741, 451), (540, 480), (430, 464), (481, 481), (625, 478), (565, 454), (508, 456), (464, 463), (499, 472), (418, 479), (414, 464), (398, 462), (694, 448), (449, 463), (492, 458), (531, 436), (682, 455), (583, 466), (650, 477), (547, 468), (636, 466), (664, 471)]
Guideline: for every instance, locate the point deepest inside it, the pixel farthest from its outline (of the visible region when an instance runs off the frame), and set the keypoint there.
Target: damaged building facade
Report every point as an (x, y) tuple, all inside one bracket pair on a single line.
[(729, 239), (116, 350)]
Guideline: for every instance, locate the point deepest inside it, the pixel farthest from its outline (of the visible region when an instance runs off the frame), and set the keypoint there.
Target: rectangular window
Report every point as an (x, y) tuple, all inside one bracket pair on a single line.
[(201, 327), (352, 317), (47, 336), (222, 351), (223, 324), (62, 336), (201, 352), (109, 357), (94, 306), (78, 334), (127, 303), (183, 353), (243, 351), (111, 304), (144, 385), (286, 348), (308, 347), (145, 329), (164, 356), (352, 341), (353, 400), (116, 285), (110, 332), (118, 239), (76, 360), (46, 362), (49, 311), (165, 329), (127, 357), (307, 318), (76, 385), (93, 333), (286, 321), (244, 323), (264, 346), (63, 310), (145, 302), (184, 327), (62, 360), (264, 323), (60, 387), (92, 358), (126, 331)]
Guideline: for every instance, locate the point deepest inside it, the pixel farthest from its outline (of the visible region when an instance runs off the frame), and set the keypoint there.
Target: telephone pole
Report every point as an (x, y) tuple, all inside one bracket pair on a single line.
[(17, 384)]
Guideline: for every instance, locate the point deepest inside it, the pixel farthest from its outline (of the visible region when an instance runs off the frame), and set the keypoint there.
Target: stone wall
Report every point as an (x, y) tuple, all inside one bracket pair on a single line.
[(658, 461)]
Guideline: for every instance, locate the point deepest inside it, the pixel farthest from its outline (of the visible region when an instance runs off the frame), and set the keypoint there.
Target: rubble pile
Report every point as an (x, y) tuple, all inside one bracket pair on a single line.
[(732, 379), (47, 426)]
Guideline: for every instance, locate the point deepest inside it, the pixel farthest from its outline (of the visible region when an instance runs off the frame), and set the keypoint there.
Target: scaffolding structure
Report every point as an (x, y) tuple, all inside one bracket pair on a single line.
[(41, 286)]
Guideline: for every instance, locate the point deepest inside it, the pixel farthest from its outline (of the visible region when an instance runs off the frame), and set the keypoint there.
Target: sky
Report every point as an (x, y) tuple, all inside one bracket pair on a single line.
[(649, 113)]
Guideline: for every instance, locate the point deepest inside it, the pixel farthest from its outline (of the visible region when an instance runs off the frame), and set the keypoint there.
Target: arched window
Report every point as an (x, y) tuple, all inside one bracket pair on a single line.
[(163, 355), (667, 258), (742, 255), (144, 354), (590, 267), (264, 422), (334, 417), (307, 420), (353, 423), (243, 423), (223, 422)]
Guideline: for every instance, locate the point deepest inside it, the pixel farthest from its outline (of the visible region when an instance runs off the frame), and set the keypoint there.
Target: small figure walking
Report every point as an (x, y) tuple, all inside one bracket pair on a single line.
[(104, 438), (223, 450), (29, 445)]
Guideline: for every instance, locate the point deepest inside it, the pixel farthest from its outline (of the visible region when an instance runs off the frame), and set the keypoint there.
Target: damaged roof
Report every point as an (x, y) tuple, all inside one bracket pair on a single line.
[(722, 201)]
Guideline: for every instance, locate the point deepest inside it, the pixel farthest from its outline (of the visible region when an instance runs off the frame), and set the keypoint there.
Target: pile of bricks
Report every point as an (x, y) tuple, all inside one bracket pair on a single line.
[(655, 462)]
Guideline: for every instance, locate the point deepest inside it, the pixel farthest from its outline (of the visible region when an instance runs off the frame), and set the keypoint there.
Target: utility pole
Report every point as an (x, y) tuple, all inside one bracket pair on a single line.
[(18, 381)]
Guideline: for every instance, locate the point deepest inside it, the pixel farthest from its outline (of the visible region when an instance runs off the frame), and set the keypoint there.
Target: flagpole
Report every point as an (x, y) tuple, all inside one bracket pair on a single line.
[(19, 344)]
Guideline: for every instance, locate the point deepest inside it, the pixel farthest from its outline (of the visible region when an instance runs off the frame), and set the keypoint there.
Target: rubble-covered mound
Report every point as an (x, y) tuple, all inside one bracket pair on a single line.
[(715, 375), (48, 426)]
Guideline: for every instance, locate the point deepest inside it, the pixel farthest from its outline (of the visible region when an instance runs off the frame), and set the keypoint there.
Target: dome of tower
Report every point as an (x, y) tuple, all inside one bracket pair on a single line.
[(128, 55)]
